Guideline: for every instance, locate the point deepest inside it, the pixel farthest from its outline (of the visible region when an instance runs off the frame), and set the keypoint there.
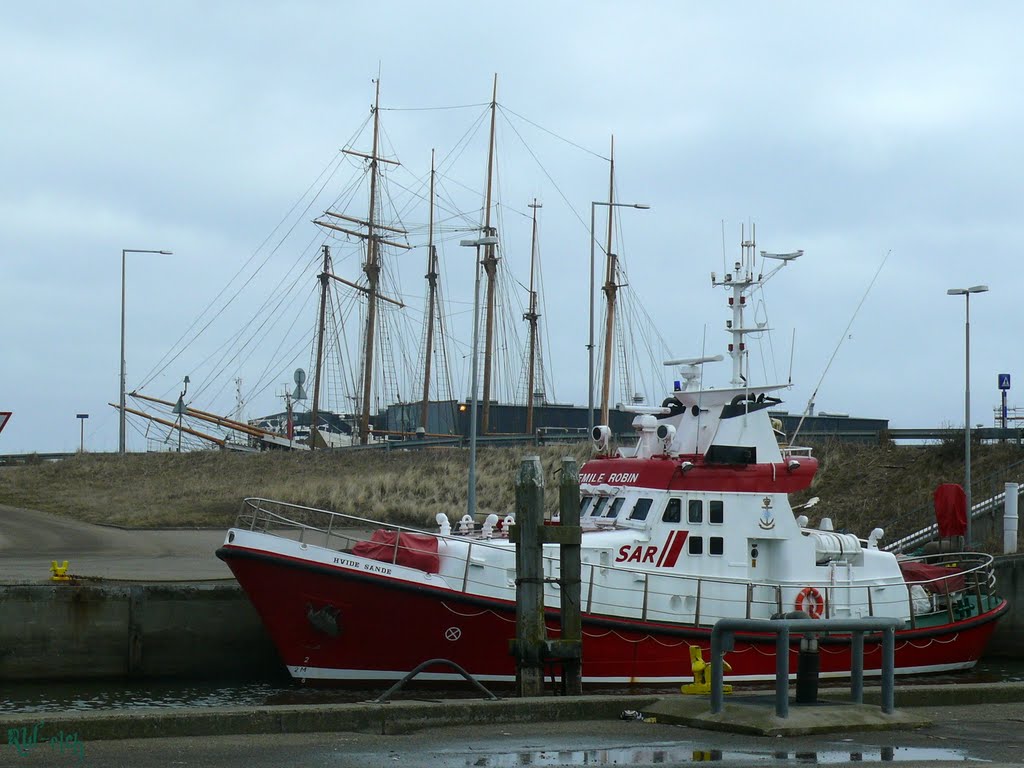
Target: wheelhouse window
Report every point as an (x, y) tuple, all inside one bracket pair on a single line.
[(696, 545), (640, 509), (599, 506), (716, 513), (695, 511), (716, 545), (585, 503), (673, 512), (613, 510)]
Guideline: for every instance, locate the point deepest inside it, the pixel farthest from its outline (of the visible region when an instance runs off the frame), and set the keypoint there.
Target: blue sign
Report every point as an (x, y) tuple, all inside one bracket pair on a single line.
[(1004, 381)]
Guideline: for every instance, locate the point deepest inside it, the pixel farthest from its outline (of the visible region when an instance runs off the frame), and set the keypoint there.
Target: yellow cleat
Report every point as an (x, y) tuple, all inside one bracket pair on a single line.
[(59, 572), (702, 673)]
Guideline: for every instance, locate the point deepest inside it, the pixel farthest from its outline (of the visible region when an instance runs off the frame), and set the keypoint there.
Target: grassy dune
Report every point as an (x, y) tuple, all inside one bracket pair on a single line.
[(860, 486), (206, 488)]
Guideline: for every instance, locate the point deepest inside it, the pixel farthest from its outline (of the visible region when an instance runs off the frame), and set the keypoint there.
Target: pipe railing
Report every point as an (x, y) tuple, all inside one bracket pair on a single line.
[(723, 637), (710, 595)]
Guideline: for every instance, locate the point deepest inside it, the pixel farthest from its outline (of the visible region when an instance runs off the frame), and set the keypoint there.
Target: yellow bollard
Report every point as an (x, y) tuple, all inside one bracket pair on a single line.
[(702, 673), (59, 572)]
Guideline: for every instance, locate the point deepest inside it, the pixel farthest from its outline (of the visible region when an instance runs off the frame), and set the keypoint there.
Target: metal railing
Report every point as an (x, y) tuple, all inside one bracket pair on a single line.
[(724, 633), (926, 534), (611, 591)]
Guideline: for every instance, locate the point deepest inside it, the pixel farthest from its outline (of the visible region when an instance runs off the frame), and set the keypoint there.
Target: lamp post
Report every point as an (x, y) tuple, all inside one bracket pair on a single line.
[(471, 489), (590, 338), (966, 293), (121, 421)]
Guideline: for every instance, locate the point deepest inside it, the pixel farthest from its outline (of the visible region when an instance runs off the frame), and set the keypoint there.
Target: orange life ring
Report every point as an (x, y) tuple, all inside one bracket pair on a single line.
[(814, 606)]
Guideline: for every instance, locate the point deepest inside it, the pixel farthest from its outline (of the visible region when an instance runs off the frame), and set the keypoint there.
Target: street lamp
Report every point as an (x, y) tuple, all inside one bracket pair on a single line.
[(121, 422), (590, 341), (471, 490), (966, 293)]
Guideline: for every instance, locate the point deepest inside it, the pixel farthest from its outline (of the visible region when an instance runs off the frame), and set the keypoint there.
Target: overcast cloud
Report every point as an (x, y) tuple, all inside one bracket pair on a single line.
[(846, 129)]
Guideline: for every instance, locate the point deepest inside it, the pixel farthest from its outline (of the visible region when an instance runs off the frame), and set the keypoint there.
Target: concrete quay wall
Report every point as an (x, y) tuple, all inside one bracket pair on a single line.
[(211, 631), (1008, 639), (80, 631)]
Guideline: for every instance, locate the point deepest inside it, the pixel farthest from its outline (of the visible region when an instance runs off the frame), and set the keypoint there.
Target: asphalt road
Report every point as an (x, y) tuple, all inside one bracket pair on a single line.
[(30, 540), (987, 733)]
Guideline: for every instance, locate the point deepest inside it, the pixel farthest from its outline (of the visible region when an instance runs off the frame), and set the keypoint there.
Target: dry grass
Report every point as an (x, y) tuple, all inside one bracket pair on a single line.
[(860, 486), (889, 486), (205, 489)]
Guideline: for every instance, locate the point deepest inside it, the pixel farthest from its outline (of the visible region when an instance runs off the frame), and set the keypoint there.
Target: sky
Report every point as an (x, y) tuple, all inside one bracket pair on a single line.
[(860, 133)]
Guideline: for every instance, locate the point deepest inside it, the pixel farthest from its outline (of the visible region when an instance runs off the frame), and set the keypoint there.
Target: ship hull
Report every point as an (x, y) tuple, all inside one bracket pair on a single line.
[(341, 626)]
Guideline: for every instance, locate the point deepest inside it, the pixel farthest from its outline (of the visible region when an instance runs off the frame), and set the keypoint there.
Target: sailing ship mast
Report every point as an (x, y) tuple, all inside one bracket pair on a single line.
[(531, 317), (490, 263), (371, 268), (431, 301), (314, 433), (610, 289)]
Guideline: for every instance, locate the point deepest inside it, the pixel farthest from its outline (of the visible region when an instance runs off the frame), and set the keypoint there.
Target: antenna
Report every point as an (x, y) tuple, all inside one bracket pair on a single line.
[(300, 378), (792, 349), (836, 350), (725, 267)]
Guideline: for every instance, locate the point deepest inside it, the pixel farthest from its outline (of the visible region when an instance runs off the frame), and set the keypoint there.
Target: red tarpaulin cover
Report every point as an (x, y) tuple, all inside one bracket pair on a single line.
[(934, 578), (951, 510), (415, 550)]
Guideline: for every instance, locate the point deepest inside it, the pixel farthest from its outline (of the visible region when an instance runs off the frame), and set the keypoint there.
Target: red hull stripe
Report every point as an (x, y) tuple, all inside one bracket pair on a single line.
[(665, 549), (677, 547)]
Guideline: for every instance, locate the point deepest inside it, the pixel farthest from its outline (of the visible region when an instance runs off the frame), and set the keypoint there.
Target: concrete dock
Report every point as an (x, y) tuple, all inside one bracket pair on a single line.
[(132, 614)]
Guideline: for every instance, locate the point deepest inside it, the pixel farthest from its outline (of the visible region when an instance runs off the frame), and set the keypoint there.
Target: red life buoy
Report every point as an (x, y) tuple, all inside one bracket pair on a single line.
[(814, 605)]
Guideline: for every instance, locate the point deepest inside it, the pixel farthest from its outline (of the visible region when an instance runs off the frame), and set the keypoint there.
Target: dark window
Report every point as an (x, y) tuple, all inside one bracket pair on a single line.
[(613, 510), (696, 545), (716, 545), (585, 503), (673, 512), (599, 506), (640, 509), (715, 513), (695, 511)]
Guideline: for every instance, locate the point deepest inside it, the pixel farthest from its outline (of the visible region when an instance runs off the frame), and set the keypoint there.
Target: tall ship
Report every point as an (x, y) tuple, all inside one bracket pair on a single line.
[(689, 525)]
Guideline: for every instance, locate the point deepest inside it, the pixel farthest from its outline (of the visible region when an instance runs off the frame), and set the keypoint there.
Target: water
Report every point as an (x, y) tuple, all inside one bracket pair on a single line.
[(116, 695)]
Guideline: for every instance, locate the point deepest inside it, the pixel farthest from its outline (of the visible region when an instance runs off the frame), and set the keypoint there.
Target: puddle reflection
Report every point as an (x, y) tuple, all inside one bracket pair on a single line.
[(677, 754)]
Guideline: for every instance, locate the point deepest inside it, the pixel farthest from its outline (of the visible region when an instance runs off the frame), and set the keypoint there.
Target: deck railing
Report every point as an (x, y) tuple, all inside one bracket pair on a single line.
[(671, 598)]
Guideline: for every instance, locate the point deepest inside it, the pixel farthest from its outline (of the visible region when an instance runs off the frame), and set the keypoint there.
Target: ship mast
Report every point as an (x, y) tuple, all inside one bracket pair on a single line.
[(431, 299), (531, 317), (371, 267), (609, 289), (314, 412), (490, 263)]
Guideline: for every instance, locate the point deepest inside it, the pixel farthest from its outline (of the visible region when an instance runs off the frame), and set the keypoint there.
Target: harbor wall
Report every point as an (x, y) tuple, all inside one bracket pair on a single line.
[(1008, 639), (182, 630), (202, 631)]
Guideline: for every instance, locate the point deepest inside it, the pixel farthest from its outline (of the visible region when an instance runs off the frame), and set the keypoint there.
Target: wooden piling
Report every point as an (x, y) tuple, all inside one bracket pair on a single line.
[(570, 577), (531, 636)]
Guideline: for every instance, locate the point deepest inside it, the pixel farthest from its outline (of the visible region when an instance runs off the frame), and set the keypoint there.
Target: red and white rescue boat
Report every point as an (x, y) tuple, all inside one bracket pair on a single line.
[(691, 525)]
